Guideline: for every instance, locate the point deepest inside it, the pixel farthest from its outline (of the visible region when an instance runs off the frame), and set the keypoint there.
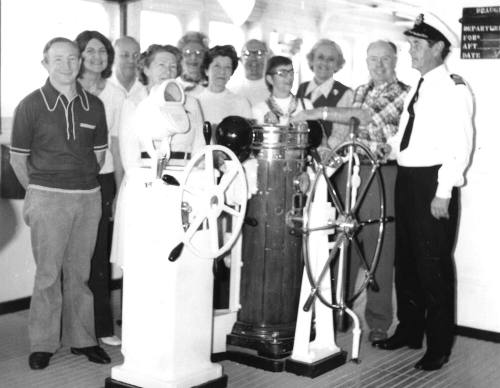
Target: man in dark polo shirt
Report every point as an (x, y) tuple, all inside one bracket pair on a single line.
[(58, 141)]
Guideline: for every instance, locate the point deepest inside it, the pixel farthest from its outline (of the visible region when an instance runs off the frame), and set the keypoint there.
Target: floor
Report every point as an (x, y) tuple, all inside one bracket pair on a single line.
[(473, 364)]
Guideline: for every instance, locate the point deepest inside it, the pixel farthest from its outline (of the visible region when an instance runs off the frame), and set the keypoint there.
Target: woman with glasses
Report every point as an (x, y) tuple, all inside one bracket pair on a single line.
[(193, 46), (325, 59), (97, 60), (281, 105), (217, 102)]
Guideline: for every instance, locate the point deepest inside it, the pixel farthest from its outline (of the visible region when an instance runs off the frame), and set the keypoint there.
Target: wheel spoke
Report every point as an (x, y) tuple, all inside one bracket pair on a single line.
[(365, 188), (214, 232), (359, 250), (333, 193), (331, 256), (320, 228), (371, 221), (232, 211), (315, 290), (227, 178), (209, 168), (193, 227), (195, 192)]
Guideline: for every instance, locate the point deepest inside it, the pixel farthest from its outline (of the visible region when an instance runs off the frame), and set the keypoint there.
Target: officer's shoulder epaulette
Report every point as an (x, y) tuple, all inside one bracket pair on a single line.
[(457, 79)]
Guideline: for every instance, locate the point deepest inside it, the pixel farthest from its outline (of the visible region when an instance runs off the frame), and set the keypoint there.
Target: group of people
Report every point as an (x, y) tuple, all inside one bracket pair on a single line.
[(75, 138)]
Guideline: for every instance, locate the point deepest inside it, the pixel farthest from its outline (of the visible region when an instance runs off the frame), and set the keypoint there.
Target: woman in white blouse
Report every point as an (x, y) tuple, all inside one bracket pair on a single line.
[(218, 102)]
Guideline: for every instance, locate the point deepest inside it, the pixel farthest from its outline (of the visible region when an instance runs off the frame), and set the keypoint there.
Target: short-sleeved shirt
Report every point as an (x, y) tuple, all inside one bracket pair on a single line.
[(385, 102), (59, 137), (112, 97)]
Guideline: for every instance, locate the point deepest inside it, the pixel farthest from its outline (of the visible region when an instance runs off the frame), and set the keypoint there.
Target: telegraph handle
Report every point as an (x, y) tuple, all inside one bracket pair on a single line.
[(176, 252), (207, 132), (353, 125)]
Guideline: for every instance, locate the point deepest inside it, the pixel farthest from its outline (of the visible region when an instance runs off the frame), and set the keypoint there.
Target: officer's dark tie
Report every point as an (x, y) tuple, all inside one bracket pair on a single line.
[(409, 125)]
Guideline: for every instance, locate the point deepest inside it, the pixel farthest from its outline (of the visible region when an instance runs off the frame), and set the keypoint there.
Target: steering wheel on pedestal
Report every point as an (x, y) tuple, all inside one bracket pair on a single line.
[(345, 227), (213, 187)]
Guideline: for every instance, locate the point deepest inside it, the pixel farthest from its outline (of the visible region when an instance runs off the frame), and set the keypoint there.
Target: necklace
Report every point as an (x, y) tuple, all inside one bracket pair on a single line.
[(276, 110)]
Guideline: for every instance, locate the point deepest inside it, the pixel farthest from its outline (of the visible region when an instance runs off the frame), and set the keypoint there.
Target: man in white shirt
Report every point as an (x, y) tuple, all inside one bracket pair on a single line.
[(252, 86), (434, 141), (127, 53)]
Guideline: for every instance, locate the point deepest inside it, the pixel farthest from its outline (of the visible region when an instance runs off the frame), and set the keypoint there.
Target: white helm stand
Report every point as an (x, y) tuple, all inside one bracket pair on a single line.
[(167, 301), (313, 358), (342, 221)]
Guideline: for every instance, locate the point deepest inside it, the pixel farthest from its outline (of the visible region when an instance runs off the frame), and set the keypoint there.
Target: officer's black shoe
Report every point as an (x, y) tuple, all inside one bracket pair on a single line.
[(93, 353), (432, 361), (39, 360), (397, 341)]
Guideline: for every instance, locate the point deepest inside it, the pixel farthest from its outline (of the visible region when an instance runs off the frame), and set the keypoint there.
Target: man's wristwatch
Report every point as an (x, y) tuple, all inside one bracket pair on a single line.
[(324, 113)]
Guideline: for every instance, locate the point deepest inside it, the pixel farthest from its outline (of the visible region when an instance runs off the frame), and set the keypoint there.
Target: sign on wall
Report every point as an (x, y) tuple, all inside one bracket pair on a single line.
[(480, 33)]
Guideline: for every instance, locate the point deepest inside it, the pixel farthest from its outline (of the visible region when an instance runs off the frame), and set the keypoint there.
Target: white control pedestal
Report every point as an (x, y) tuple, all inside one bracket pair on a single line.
[(167, 306), (312, 358)]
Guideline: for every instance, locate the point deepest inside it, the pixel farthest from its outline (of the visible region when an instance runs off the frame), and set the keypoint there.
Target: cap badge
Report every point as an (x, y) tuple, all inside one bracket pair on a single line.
[(419, 20)]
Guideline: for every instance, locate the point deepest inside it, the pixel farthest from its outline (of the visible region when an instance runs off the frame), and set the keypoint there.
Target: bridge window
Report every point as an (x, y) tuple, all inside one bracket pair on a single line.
[(26, 26), (225, 33), (159, 28)]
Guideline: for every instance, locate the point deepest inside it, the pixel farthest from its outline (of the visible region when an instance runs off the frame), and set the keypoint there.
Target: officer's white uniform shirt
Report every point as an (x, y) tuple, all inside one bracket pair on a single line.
[(442, 131)]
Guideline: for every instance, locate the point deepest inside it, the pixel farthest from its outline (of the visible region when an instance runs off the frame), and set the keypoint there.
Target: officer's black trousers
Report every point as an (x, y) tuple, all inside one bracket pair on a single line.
[(424, 268)]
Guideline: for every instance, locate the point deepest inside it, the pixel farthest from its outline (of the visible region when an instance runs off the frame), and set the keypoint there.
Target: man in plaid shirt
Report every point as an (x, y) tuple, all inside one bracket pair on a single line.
[(378, 105), (383, 97)]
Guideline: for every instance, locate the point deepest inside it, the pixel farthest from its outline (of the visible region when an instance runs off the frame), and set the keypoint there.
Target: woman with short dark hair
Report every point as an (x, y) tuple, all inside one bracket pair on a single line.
[(217, 102), (281, 105)]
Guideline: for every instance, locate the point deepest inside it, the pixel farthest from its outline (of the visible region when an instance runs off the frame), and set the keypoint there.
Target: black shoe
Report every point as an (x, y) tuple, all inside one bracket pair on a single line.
[(39, 360), (397, 341), (432, 361), (93, 353)]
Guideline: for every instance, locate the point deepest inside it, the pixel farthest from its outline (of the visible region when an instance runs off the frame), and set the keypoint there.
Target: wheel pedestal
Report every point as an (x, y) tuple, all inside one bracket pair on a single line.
[(167, 311), (313, 358)]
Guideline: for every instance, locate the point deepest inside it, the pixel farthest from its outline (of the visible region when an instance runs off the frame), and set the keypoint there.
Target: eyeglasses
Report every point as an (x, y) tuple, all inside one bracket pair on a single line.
[(283, 73), (254, 53), (188, 52), (127, 55), (386, 59)]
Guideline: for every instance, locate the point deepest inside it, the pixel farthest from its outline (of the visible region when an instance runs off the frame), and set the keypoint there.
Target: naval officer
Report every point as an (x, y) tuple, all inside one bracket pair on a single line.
[(434, 144)]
